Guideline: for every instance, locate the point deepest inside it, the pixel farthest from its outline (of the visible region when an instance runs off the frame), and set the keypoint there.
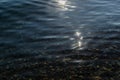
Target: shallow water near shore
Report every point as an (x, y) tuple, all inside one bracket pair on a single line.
[(59, 40)]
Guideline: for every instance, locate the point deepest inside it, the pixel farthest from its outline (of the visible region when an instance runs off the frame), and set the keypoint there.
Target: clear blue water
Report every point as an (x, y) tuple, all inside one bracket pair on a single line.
[(60, 39)]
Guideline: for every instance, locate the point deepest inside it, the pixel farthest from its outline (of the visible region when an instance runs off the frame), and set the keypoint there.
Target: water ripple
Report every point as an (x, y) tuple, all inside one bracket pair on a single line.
[(44, 38)]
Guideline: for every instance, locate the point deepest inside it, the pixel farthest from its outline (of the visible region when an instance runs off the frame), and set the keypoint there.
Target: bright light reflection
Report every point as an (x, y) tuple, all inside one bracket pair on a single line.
[(77, 33), (64, 4), (78, 41)]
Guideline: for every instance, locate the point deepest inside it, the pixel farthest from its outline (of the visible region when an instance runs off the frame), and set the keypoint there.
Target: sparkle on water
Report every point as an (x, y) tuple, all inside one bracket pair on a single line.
[(65, 5), (62, 2), (78, 41)]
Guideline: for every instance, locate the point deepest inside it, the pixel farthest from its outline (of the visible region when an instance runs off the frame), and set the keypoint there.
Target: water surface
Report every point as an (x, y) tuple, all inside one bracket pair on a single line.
[(60, 39)]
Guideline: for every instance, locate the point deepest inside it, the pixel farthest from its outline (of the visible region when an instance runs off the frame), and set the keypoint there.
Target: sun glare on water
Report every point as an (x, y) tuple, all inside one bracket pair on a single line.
[(78, 41), (64, 5), (62, 2)]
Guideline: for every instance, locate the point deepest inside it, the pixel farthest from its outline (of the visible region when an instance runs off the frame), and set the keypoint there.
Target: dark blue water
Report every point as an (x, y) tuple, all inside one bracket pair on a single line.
[(59, 39)]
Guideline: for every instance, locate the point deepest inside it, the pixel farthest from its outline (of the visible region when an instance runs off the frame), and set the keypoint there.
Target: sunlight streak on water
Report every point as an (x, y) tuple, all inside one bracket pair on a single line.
[(78, 41), (62, 2), (65, 5)]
